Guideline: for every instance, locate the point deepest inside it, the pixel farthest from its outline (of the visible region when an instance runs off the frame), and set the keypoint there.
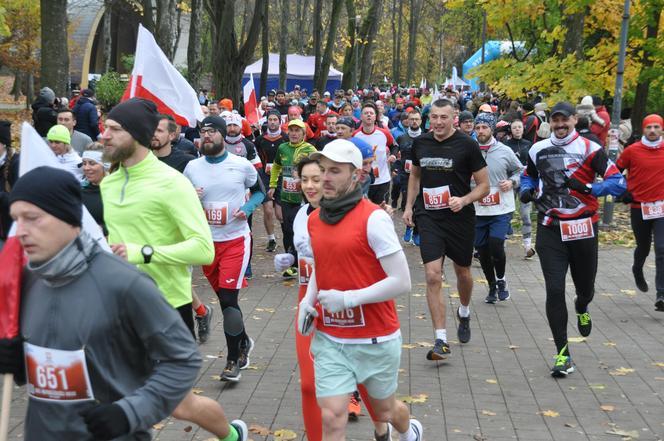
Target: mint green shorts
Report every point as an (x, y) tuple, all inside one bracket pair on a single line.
[(340, 367)]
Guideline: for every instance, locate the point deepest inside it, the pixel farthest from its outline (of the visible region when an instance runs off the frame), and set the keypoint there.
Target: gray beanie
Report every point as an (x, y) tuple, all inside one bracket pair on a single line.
[(48, 94)]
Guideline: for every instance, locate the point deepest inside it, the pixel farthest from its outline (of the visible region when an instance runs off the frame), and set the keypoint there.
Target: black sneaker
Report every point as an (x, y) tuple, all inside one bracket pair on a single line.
[(245, 350), (290, 273), (491, 297), (563, 365), (231, 372), (639, 279), (387, 436), (440, 350), (659, 303), (203, 324), (584, 323), (271, 246), (241, 428), (503, 292), (463, 332)]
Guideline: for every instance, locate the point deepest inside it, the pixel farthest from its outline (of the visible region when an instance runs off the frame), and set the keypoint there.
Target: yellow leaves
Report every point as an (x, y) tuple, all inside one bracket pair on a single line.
[(628, 292), (259, 430), (454, 295), (658, 364), (549, 413), (513, 347), (607, 407), (416, 399), (488, 412), (420, 344), (621, 371), (597, 386), (576, 339), (270, 310), (609, 344), (491, 381), (284, 435), (197, 391)]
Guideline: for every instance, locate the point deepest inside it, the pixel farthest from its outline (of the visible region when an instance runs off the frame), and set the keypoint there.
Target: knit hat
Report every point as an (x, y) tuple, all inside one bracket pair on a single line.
[(48, 94), (215, 122), (465, 116), (88, 93), (653, 118), (486, 118), (55, 191), (5, 133), (226, 104), (347, 121), (274, 112), (137, 116), (59, 133)]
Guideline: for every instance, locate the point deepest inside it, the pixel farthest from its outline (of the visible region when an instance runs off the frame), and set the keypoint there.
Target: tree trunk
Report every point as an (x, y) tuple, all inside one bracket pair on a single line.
[(329, 47), (349, 59), (395, 39), (265, 49), (178, 29), (317, 25), (415, 11), (194, 58), (283, 45), (54, 46), (573, 43), (299, 41), (166, 27), (230, 61), (368, 33), (397, 75), (148, 15), (17, 88), (107, 37), (643, 86)]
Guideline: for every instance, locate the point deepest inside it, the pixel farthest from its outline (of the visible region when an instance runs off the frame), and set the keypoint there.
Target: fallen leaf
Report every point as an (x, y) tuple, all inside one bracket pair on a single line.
[(597, 386), (621, 371), (421, 398), (197, 390), (629, 292), (211, 356), (488, 413), (491, 381), (421, 317), (478, 437), (402, 371), (255, 317), (268, 276), (624, 433), (188, 429), (417, 295), (609, 344), (576, 339), (158, 426), (570, 425), (409, 346), (607, 407), (521, 290), (513, 347), (421, 284), (424, 344), (289, 283), (481, 281), (253, 367), (216, 377), (446, 285), (454, 295), (658, 364), (607, 294), (259, 430), (548, 413), (659, 378), (284, 435)]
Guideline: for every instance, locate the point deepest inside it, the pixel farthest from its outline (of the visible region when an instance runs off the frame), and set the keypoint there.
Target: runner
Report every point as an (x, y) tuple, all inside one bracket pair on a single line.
[(357, 317), (221, 181), (494, 212), (59, 140), (118, 397), (440, 201), (559, 178), (345, 130), (644, 161), (290, 197), (155, 221)]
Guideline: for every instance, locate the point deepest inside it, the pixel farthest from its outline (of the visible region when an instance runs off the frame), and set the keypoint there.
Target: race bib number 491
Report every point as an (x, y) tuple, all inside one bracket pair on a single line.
[(57, 375), (436, 198)]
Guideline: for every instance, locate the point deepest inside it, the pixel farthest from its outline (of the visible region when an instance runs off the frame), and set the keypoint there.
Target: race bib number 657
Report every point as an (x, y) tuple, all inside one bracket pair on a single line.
[(436, 198)]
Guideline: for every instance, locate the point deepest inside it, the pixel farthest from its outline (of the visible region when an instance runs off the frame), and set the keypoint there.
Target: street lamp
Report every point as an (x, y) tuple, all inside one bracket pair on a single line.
[(355, 50)]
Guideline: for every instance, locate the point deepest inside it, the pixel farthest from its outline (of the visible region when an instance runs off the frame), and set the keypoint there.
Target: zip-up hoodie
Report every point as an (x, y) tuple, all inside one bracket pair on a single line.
[(503, 164), (153, 204)]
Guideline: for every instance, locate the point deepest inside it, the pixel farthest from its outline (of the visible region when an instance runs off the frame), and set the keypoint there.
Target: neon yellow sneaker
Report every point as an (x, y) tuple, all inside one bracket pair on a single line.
[(563, 365)]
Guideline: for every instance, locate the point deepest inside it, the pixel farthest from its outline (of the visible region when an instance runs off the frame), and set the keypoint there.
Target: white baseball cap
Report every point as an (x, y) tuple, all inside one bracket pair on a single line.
[(340, 150)]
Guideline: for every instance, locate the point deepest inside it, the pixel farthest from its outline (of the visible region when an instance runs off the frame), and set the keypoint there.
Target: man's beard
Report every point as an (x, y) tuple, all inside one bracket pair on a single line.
[(158, 146), (120, 154), (212, 149), (484, 141)]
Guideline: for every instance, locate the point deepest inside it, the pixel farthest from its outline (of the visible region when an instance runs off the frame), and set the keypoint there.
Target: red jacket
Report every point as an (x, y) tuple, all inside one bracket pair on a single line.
[(598, 130)]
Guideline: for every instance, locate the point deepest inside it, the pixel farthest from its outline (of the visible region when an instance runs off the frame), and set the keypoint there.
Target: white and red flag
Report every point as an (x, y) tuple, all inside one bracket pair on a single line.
[(250, 106), (156, 79)]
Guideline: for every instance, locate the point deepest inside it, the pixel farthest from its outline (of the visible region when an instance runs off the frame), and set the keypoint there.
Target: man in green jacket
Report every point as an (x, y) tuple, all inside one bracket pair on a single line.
[(155, 220), (284, 173)]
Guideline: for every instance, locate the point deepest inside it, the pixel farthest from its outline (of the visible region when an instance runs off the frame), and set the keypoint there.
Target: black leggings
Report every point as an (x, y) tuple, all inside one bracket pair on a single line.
[(555, 257), (187, 317), (493, 259), (288, 213), (644, 230), (233, 321)]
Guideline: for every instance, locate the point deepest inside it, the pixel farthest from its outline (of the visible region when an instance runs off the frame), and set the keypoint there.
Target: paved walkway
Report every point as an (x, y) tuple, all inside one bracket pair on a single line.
[(497, 387)]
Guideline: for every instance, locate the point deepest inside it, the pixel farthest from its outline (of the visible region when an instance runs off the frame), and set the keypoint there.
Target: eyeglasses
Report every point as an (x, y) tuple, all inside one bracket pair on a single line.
[(208, 131)]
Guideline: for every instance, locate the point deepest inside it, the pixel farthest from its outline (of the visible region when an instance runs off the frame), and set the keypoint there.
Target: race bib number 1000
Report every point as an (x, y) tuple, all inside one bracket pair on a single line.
[(57, 375), (652, 210), (436, 198), (576, 229)]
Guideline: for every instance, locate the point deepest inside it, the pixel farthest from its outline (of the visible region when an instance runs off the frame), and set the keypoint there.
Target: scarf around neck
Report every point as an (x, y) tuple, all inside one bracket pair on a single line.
[(233, 139), (414, 133), (651, 144), (485, 148), (68, 264), (563, 141), (274, 134), (333, 210)]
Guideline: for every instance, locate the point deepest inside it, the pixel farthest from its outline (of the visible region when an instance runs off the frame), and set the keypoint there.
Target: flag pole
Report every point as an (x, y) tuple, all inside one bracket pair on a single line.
[(7, 388)]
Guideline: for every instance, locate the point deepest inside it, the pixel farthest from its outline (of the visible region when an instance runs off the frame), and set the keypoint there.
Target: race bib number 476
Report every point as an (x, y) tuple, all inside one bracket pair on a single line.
[(436, 198), (57, 375)]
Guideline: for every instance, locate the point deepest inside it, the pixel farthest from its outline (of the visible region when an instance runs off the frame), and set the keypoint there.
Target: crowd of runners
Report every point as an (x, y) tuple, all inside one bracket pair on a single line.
[(108, 342)]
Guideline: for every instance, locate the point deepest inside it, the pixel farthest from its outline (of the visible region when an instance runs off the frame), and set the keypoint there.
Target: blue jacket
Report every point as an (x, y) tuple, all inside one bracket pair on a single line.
[(87, 120)]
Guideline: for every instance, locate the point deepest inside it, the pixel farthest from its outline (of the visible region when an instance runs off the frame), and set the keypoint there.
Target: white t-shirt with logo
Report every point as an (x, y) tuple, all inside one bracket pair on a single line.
[(380, 140)]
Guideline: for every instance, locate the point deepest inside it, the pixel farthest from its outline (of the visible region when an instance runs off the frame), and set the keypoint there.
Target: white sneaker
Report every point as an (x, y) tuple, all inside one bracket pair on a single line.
[(417, 428)]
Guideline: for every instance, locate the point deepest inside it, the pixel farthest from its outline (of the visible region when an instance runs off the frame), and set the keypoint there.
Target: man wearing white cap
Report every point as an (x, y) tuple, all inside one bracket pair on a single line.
[(355, 315)]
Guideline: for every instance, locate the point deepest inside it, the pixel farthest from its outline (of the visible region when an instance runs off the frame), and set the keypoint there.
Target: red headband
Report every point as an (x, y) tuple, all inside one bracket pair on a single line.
[(653, 119)]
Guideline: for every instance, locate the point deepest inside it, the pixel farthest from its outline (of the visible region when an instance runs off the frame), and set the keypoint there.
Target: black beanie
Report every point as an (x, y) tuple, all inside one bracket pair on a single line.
[(137, 116), (272, 112), (216, 122), (55, 191), (6, 133)]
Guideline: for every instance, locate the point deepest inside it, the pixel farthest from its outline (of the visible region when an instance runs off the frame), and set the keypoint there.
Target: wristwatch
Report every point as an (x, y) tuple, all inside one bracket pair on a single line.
[(147, 251)]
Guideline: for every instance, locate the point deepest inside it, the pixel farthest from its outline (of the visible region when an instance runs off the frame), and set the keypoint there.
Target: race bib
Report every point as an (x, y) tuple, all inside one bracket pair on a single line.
[(268, 168), (304, 270), (290, 184), (216, 213), (348, 318), (56, 375), (376, 171), (436, 198), (576, 229), (493, 198), (407, 165), (652, 210)]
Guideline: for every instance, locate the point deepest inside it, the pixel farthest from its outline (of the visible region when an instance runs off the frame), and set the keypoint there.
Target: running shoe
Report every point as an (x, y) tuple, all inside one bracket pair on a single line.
[(408, 235), (659, 302), (563, 365), (463, 331), (417, 428), (387, 436), (247, 273), (503, 292), (354, 408), (440, 350), (416, 239), (245, 349), (241, 428), (203, 324), (290, 273), (530, 253), (492, 296), (639, 279), (231, 372), (271, 246), (584, 323)]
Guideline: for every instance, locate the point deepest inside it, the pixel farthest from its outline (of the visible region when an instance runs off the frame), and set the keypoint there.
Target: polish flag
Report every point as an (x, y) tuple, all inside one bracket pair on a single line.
[(250, 107), (154, 78)]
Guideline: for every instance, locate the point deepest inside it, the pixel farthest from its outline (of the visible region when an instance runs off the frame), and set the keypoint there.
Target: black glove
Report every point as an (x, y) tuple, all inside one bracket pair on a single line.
[(12, 360), (576, 185), (625, 198), (106, 421), (527, 196)]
